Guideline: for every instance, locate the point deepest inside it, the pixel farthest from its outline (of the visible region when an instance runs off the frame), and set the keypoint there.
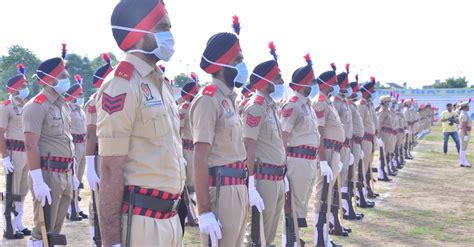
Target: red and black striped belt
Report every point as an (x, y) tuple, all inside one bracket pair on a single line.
[(150, 202), (15, 145), (387, 130), (368, 137), (357, 139), (56, 164), (302, 152), (78, 138), (400, 130), (468, 128), (347, 143), (270, 172), (188, 145), (333, 144), (231, 174)]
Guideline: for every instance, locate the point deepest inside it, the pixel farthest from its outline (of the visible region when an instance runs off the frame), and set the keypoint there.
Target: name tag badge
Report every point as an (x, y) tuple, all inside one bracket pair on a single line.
[(150, 99)]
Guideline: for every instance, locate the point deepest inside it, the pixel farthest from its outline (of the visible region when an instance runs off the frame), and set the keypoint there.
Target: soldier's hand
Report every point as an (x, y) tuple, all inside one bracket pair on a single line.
[(362, 154), (466, 138), (340, 166), (91, 174), (209, 225), (287, 184), (41, 190), (380, 142), (75, 182), (254, 197), (8, 165), (326, 171), (351, 161)]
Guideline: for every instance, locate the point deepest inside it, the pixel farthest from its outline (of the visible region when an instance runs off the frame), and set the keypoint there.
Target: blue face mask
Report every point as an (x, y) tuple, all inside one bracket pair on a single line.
[(348, 93), (336, 90), (359, 95), (314, 91), (242, 74), (62, 86), (278, 93), (23, 93)]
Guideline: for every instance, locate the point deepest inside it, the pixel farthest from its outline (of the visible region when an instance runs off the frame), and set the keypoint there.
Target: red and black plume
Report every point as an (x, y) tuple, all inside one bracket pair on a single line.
[(357, 78), (333, 66), (78, 79), (307, 58), (106, 58), (236, 24), (21, 69), (372, 79), (63, 51), (347, 68), (272, 47)]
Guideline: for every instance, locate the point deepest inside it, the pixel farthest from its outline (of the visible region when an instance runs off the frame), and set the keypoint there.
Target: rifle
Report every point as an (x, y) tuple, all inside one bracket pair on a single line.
[(192, 219), (257, 233), (9, 198), (218, 188), (360, 184), (97, 239), (74, 197), (291, 223), (49, 239)]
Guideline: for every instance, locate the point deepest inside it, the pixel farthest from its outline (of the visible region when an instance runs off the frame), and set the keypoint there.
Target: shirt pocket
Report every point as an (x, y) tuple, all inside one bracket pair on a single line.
[(155, 122), (54, 123)]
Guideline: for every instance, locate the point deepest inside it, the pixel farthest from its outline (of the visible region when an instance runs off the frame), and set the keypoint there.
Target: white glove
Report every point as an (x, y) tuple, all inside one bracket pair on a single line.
[(287, 184), (340, 166), (466, 139), (407, 131), (75, 182), (351, 161), (7, 163), (91, 175), (209, 225), (40, 188), (254, 197), (326, 171), (362, 154), (380, 142)]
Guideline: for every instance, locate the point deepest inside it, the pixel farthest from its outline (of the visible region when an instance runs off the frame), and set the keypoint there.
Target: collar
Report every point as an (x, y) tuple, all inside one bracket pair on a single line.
[(221, 86), (141, 66)]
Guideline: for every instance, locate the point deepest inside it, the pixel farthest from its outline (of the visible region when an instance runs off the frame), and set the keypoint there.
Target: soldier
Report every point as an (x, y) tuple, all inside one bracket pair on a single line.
[(392, 163), (247, 92), (409, 119), (262, 134), (385, 133), (142, 164), (219, 153), (366, 111), (301, 139), (465, 126), (356, 176), (75, 98), (92, 147), (400, 134), (12, 148), (331, 138), (49, 148)]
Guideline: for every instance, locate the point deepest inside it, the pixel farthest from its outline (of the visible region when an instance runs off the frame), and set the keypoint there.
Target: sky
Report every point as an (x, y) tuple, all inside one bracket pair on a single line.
[(400, 41)]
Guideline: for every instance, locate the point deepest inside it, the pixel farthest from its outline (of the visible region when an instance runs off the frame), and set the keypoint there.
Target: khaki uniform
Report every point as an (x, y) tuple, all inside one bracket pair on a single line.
[(333, 132), (377, 127), (464, 118), (300, 121), (345, 115), (356, 144), (11, 120), (137, 117), (91, 119), (386, 130), (187, 140), (395, 126), (401, 129), (369, 135), (78, 130), (49, 117), (261, 124), (214, 120)]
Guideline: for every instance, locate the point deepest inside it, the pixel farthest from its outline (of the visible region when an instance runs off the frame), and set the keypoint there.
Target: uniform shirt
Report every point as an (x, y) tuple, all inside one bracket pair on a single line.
[(385, 119), (300, 121), (464, 118), (357, 123), (446, 127), (366, 115), (78, 120), (137, 117), (184, 121), (10, 119), (395, 121), (49, 117), (345, 115), (91, 111), (328, 118), (373, 114), (214, 120), (261, 124)]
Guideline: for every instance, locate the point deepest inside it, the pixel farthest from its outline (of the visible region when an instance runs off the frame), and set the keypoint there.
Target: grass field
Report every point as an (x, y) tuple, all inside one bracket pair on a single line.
[(430, 203)]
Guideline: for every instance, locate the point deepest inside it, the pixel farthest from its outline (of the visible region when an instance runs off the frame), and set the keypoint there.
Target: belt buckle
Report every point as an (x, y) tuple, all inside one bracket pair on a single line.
[(175, 205)]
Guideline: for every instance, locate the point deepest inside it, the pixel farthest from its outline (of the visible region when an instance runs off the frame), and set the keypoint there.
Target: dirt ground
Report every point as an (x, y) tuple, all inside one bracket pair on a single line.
[(430, 203)]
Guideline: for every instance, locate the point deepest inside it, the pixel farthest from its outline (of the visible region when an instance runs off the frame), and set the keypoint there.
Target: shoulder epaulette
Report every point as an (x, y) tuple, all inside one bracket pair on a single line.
[(362, 102), (186, 106), (259, 99), (124, 70), (40, 98), (293, 99), (7, 102), (336, 98), (321, 97), (210, 90)]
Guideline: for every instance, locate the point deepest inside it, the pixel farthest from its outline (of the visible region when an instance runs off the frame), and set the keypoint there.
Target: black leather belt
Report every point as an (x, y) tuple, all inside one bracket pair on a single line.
[(268, 169), (228, 172), (152, 203), (15, 145)]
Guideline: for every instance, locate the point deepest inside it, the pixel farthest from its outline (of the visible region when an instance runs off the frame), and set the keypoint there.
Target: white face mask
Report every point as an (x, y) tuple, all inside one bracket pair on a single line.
[(242, 71), (60, 88), (79, 102), (164, 43)]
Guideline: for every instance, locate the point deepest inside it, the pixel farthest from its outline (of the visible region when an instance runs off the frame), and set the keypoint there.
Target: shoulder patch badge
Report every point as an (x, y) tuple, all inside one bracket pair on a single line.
[(253, 121), (6, 102), (294, 99), (210, 90), (113, 104), (321, 97), (124, 70), (40, 99), (286, 113), (259, 99)]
